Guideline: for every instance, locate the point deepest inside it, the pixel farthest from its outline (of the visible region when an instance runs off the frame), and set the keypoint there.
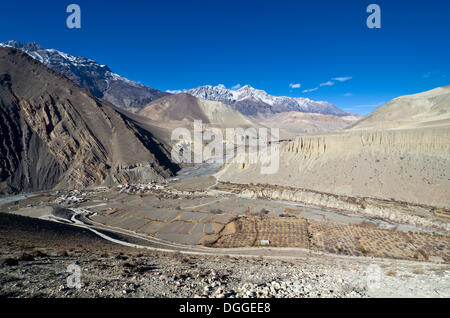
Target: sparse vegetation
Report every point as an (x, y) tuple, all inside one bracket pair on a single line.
[(422, 252), (418, 271), (391, 273)]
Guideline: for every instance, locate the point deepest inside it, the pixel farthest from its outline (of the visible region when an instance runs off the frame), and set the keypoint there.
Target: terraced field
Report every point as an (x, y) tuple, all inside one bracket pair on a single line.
[(347, 239), (280, 232), (166, 219), (223, 219)]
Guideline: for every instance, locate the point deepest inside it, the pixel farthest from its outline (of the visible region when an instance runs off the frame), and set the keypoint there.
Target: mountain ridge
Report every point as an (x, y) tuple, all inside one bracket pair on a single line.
[(89, 74), (251, 101), (425, 109), (56, 135), (184, 106), (181, 110)]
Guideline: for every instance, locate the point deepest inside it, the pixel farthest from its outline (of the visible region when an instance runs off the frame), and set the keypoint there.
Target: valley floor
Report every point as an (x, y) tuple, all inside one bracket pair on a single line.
[(35, 255)]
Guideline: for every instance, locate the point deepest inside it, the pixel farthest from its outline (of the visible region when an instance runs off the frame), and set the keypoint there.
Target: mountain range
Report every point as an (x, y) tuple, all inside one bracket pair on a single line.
[(252, 102), (133, 96), (89, 74), (293, 115)]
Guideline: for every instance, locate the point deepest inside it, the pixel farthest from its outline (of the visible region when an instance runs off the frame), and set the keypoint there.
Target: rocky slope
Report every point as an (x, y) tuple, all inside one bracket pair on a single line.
[(54, 134), (409, 165), (87, 73)]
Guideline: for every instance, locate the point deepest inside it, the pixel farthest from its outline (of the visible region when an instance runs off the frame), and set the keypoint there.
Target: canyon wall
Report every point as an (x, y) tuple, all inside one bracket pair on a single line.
[(411, 165)]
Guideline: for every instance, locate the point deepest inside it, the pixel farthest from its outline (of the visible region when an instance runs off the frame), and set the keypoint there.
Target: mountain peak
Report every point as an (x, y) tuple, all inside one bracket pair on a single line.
[(252, 101), (30, 46), (97, 78)]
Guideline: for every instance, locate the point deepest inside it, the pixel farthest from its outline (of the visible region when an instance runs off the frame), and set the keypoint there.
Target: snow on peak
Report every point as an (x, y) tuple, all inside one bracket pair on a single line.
[(58, 60), (257, 99)]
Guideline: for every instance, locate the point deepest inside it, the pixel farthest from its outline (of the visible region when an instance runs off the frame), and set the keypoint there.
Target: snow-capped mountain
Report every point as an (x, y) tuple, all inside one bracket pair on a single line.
[(97, 78), (133, 96), (252, 101)]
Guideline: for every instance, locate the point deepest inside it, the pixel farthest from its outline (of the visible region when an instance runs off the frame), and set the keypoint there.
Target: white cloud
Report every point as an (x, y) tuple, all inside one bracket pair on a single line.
[(235, 87), (297, 85), (221, 86), (342, 79), (310, 90), (348, 94), (329, 83), (176, 91)]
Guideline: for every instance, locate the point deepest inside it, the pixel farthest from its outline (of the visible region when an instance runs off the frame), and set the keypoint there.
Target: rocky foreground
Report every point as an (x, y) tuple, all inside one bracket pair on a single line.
[(35, 256)]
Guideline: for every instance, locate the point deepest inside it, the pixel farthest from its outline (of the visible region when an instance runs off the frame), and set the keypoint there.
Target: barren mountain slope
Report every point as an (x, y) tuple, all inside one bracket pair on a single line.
[(185, 107), (181, 110), (411, 165), (427, 109), (56, 134)]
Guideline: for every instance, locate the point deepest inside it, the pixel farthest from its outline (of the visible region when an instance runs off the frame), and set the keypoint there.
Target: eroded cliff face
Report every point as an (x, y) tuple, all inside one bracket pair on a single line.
[(398, 212), (405, 165), (53, 134)]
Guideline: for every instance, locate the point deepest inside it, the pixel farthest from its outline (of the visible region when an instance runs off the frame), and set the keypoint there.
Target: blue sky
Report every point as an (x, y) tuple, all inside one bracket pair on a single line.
[(267, 44)]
